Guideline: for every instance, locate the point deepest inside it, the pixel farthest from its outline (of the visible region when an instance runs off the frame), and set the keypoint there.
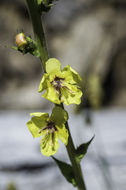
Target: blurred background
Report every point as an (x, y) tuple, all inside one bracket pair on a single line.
[(91, 37)]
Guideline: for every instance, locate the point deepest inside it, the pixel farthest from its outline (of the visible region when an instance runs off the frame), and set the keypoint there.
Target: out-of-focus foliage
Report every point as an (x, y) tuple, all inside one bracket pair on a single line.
[(11, 186), (93, 90)]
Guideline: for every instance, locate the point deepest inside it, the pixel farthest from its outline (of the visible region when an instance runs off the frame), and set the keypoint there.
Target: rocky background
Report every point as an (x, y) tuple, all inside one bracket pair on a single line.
[(88, 35)]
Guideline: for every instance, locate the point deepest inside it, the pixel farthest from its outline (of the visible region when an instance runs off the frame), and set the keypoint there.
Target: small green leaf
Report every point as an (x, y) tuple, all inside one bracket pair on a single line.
[(66, 170), (36, 52), (82, 149), (15, 48)]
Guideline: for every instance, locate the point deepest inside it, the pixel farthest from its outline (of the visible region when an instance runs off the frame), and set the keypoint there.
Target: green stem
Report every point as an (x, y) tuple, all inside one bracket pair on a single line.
[(75, 164), (41, 43), (38, 30)]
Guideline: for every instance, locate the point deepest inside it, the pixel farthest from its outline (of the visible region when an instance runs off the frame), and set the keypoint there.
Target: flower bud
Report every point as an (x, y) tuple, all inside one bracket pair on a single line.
[(20, 40)]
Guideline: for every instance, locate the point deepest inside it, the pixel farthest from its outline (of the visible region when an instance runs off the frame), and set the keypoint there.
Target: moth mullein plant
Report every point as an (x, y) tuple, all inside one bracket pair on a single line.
[(51, 128), (61, 86)]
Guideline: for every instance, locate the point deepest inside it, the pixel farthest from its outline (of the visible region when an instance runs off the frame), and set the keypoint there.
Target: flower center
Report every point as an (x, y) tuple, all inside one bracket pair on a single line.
[(50, 127), (57, 83)]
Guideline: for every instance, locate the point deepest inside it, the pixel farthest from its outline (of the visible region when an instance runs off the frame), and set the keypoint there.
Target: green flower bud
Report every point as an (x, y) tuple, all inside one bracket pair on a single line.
[(25, 44), (45, 5)]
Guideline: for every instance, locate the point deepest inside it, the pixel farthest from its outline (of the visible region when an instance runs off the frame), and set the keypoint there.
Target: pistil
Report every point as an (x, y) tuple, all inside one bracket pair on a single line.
[(57, 84), (50, 126)]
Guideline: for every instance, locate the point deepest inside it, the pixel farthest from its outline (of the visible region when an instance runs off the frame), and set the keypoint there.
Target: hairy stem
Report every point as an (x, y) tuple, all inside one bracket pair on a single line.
[(41, 43), (75, 165), (38, 30)]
